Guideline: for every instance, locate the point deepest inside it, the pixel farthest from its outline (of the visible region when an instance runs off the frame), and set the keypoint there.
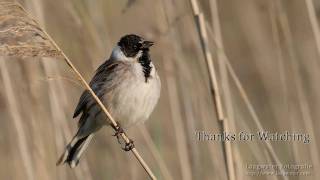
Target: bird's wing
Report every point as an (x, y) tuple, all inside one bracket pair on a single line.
[(107, 76)]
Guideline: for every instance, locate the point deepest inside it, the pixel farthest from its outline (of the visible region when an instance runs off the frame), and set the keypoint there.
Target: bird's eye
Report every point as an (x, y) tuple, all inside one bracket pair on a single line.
[(135, 47)]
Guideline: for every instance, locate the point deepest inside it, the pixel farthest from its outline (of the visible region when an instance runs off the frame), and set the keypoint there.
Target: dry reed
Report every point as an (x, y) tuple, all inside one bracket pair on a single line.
[(314, 23), (176, 113), (18, 121), (201, 25), (226, 94), (246, 99), (294, 63), (163, 167), (55, 93), (178, 123)]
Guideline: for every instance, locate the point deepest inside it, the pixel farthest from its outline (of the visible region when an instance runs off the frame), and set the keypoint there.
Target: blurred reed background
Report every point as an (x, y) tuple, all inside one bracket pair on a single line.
[(266, 57)]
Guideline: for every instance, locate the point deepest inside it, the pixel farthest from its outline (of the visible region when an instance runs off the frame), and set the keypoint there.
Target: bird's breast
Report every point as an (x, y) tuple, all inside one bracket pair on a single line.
[(134, 99)]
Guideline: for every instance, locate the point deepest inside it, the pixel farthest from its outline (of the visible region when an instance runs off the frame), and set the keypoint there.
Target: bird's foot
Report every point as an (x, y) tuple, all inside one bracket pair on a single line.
[(117, 127), (118, 132), (128, 146)]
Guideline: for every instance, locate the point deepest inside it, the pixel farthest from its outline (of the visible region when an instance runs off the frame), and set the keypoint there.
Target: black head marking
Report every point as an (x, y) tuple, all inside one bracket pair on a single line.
[(130, 44), (145, 62)]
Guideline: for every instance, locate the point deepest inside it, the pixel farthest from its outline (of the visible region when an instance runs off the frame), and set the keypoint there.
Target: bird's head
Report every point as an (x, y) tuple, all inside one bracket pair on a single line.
[(130, 47)]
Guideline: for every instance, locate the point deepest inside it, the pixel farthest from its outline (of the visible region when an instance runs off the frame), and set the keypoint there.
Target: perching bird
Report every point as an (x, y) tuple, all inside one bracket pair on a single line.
[(127, 84)]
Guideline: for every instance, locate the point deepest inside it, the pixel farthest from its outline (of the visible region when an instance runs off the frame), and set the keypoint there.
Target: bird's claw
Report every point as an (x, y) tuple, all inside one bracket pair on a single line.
[(128, 146), (118, 132)]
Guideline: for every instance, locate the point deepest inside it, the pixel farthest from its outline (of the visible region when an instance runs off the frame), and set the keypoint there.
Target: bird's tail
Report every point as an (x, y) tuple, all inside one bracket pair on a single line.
[(74, 150)]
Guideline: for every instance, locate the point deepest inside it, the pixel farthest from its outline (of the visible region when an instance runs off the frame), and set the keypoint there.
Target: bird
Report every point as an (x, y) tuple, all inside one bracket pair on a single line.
[(127, 84)]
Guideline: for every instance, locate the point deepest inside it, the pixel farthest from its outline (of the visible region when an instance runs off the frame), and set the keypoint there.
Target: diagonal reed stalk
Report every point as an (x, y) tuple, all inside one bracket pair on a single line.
[(246, 100), (163, 167), (203, 36), (208, 56), (226, 95), (83, 81), (22, 146), (177, 121), (56, 92), (281, 63), (298, 82), (314, 23), (178, 124)]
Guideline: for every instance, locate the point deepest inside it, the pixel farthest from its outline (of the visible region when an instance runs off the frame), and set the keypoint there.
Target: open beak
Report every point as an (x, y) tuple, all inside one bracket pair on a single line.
[(147, 44)]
